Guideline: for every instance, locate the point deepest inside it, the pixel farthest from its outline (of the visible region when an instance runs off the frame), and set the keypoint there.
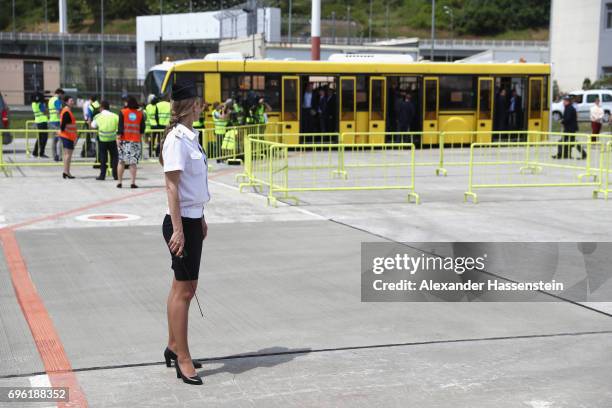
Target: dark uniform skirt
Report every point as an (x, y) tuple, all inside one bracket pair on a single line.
[(186, 267)]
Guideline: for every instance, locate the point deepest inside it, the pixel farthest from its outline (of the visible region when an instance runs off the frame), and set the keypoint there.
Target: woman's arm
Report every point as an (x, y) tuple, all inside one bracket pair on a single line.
[(177, 241)]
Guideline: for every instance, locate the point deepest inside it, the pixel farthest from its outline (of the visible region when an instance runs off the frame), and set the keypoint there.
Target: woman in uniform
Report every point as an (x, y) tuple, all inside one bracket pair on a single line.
[(184, 227)]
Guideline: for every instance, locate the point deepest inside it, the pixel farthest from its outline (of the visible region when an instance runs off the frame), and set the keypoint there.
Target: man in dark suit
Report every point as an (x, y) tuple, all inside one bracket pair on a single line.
[(570, 125)]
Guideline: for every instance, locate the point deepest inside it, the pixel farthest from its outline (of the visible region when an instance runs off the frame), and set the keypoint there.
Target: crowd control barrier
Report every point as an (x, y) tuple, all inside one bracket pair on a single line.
[(440, 150), (284, 168), (228, 146), (605, 169), (19, 152), (533, 164)]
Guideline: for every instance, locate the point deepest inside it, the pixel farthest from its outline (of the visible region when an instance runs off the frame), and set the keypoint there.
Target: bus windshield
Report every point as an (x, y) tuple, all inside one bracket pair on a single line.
[(154, 81)]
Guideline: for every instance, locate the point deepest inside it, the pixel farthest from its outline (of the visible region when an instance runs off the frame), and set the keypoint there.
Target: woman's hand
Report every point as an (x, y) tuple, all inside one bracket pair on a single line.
[(177, 243), (204, 229)]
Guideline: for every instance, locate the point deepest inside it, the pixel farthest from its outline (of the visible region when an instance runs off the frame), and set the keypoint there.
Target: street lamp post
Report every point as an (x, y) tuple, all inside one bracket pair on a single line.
[(449, 12), (102, 49), (161, 29), (290, 16), (433, 28)]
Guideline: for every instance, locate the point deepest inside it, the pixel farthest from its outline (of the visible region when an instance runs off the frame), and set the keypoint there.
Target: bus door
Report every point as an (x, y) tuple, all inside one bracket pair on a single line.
[(348, 107), (534, 107), (431, 107), (291, 109), (378, 108), (484, 113)]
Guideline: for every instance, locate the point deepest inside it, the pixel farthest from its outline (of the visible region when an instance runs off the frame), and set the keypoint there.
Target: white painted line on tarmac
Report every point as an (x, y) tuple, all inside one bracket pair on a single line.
[(295, 207), (41, 381)]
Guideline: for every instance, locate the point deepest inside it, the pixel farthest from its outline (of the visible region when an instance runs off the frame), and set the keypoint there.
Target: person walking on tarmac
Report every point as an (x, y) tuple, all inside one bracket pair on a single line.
[(184, 227), (107, 124), (163, 118), (91, 110), (55, 106), (570, 125), (129, 136), (151, 121), (220, 119), (68, 134), (42, 123)]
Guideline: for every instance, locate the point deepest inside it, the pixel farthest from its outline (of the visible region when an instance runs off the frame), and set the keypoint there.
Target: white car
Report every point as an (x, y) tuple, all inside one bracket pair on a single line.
[(584, 100)]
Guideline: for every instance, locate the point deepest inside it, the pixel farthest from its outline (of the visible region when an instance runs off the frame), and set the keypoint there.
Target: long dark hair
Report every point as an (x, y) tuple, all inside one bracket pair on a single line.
[(181, 110)]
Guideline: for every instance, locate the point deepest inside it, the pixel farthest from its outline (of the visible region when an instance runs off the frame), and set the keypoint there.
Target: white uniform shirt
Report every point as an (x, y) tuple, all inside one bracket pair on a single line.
[(182, 152)]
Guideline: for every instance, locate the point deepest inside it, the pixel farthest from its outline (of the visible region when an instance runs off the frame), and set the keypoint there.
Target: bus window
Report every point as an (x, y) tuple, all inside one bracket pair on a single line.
[(347, 87), (290, 105), (378, 100), (535, 99), (249, 87), (485, 100), (154, 81), (431, 100), (196, 77), (457, 92), (545, 90), (361, 93)]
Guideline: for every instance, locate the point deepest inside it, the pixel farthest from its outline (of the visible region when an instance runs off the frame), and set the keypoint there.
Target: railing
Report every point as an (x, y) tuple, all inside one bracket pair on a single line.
[(604, 174), (72, 37), (426, 43)]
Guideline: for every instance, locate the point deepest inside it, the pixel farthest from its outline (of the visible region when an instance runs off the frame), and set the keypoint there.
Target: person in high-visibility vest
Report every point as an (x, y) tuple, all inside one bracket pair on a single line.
[(91, 109), (129, 137), (68, 134), (164, 110), (42, 123), (55, 106), (107, 124), (220, 118), (151, 121), (151, 112), (260, 116)]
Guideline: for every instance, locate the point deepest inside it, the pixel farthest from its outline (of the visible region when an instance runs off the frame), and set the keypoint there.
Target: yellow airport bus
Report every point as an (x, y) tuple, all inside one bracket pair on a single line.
[(365, 95)]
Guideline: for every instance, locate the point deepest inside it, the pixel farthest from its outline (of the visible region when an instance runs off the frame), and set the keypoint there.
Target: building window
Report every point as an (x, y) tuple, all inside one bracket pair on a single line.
[(609, 15)]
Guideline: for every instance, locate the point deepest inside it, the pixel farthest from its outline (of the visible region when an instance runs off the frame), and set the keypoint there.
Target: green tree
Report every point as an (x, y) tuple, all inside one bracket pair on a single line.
[(586, 84)]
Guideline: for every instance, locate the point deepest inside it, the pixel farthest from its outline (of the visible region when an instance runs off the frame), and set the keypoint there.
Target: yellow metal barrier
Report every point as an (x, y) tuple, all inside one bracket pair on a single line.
[(16, 154), (531, 164), (220, 147), (292, 139), (283, 168), (30, 127), (605, 169)]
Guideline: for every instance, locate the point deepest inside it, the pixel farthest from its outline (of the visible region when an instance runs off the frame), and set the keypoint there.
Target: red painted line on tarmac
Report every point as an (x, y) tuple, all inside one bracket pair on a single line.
[(46, 338)]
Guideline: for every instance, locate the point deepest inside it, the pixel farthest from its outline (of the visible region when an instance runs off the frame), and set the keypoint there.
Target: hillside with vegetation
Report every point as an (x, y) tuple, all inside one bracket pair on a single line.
[(502, 19)]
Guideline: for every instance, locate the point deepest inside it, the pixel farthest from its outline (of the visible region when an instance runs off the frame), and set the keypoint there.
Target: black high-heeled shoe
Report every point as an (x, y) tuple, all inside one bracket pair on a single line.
[(195, 380), (67, 176), (170, 356)]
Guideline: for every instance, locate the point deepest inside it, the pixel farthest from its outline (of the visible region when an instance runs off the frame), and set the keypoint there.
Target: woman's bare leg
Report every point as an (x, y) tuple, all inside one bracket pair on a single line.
[(178, 315), (171, 338), (67, 160)]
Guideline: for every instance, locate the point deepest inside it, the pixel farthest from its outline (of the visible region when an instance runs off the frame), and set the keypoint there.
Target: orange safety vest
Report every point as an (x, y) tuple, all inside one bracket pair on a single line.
[(70, 130), (131, 125)]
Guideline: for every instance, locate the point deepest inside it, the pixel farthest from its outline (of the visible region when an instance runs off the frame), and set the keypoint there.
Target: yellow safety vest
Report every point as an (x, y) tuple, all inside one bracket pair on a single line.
[(164, 110), (229, 140), (150, 111), (53, 113), (219, 123), (107, 126), (39, 116)]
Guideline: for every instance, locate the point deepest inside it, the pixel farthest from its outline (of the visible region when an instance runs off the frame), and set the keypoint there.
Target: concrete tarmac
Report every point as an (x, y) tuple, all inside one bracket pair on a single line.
[(284, 324)]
